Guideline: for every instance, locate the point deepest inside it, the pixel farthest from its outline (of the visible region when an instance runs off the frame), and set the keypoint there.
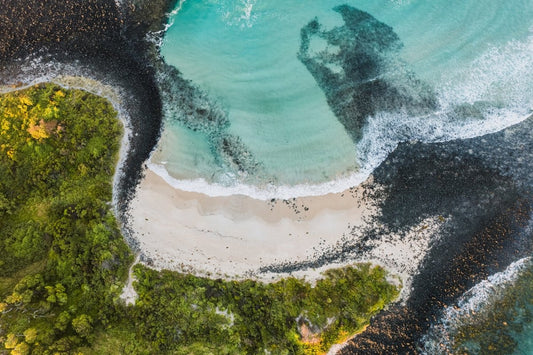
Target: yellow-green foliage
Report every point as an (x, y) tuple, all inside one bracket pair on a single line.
[(63, 260), (249, 317), (61, 252)]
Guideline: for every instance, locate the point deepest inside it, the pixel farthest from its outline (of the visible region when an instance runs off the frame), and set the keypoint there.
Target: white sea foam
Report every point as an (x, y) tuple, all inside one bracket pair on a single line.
[(156, 37), (471, 302), (240, 14), (173, 14), (385, 130), (501, 76), (379, 140), (266, 192)]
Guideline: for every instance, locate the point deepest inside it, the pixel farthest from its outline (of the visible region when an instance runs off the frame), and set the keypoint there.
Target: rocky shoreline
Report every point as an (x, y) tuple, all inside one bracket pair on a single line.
[(101, 39), (480, 187)]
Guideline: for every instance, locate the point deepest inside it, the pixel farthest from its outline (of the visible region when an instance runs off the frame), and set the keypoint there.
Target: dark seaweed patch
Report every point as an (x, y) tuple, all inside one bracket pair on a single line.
[(188, 105), (370, 78)]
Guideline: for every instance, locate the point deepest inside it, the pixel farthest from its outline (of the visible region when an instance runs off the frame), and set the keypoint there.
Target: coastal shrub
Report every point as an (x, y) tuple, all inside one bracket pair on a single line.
[(63, 261), (177, 311), (62, 257)]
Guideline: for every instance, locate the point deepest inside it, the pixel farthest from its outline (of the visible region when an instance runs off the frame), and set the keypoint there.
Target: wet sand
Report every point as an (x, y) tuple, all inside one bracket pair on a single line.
[(236, 235)]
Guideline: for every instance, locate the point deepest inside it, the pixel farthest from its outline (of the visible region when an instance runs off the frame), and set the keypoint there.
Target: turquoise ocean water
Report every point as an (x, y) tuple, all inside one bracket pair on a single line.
[(243, 56)]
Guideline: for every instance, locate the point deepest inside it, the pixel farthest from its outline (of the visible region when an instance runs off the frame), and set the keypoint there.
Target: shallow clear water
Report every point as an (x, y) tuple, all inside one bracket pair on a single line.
[(243, 54), (524, 339), (475, 56)]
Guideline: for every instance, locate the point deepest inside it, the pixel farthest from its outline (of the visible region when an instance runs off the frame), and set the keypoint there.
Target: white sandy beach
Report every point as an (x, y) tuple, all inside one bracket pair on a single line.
[(233, 236)]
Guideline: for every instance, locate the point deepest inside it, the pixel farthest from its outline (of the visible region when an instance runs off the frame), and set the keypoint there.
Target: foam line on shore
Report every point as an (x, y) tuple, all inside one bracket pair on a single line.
[(439, 338), (266, 192)]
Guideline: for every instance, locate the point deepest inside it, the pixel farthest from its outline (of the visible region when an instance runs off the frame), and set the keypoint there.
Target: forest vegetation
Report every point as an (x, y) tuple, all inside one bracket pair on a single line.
[(64, 262)]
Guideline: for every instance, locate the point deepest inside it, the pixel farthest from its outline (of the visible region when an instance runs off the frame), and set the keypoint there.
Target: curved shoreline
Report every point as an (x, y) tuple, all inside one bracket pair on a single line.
[(133, 225), (240, 237), (429, 128), (108, 92), (481, 180), (456, 196), (263, 193), (115, 96), (315, 272)]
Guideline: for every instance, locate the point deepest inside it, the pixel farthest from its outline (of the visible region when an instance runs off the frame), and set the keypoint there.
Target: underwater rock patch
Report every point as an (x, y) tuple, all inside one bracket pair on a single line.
[(187, 104), (364, 76)]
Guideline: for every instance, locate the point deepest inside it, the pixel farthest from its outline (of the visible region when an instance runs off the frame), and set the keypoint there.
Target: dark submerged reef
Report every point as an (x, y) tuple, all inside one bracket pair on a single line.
[(63, 259), (191, 107), (364, 76)]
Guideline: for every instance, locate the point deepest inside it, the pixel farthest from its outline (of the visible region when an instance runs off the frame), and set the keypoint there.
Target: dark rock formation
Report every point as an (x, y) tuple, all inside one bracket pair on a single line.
[(107, 41)]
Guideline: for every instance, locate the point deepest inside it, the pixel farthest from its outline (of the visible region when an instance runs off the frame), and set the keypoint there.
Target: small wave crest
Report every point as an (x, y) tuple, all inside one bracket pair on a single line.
[(491, 94), (241, 14), (157, 37), (439, 339), (264, 192), (502, 75)]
